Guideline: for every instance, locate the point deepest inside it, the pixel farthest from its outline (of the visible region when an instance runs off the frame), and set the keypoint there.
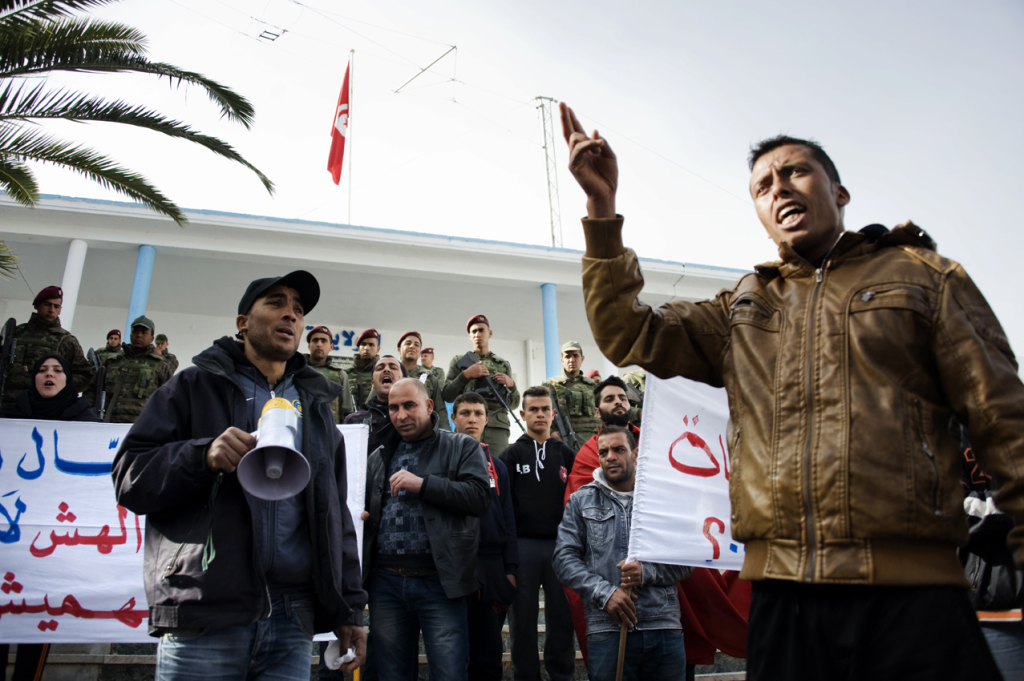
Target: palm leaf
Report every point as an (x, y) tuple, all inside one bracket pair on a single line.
[(8, 261), (17, 179), (34, 145), (17, 11), (24, 102)]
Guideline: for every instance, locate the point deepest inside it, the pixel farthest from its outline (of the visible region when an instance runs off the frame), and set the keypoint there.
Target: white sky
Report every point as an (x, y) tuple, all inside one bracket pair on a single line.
[(919, 106)]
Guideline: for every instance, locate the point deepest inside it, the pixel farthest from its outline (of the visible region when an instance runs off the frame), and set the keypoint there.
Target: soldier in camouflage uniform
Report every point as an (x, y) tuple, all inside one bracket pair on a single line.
[(134, 376), (409, 353), (458, 382), (161, 349), (638, 380), (320, 341), (574, 398), (42, 335), (360, 378), (112, 348), (427, 360)]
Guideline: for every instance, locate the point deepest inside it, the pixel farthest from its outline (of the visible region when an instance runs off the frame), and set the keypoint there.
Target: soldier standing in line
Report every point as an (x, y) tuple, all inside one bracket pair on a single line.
[(573, 394), (468, 380), (427, 360), (409, 353), (320, 341), (134, 376), (638, 381), (360, 377), (112, 348), (161, 349), (42, 335)]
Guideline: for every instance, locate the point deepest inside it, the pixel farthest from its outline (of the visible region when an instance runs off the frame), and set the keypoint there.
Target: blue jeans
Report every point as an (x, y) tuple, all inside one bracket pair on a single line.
[(656, 655), (401, 607), (278, 648), (1006, 641)]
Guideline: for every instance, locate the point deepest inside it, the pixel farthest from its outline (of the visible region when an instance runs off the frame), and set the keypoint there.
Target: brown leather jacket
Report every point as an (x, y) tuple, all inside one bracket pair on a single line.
[(841, 384)]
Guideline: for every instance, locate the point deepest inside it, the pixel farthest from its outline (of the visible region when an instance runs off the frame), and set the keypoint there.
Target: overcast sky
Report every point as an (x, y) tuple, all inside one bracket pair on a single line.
[(919, 106)]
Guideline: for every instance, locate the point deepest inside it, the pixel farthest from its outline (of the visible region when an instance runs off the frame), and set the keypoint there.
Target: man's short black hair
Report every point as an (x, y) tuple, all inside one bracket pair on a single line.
[(405, 374), (611, 380), (772, 143), (471, 397), (611, 430), (538, 391)]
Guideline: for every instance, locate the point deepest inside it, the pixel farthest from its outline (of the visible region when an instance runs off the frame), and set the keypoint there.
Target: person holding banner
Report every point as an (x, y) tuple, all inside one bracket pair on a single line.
[(843, 362), (590, 557), (238, 585)]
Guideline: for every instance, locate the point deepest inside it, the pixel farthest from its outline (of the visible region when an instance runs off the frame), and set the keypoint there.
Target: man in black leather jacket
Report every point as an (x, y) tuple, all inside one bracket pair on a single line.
[(426, 489)]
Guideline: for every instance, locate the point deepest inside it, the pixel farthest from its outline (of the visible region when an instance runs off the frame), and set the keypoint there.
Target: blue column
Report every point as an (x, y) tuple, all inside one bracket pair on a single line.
[(140, 286), (552, 352)]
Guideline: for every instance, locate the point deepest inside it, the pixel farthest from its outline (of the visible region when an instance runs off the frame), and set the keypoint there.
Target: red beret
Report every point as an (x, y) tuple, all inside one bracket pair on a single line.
[(47, 293), (114, 331), (407, 334), (319, 329), (591, 373), (477, 319), (369, 333), (427, 351)]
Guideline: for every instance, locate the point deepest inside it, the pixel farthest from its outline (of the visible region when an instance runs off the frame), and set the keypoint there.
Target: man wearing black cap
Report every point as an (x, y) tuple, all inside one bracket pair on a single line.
[(42, 335), (462, 381), (134, 375), (237, 585), (361, 376), (409, 351), (320, 341)]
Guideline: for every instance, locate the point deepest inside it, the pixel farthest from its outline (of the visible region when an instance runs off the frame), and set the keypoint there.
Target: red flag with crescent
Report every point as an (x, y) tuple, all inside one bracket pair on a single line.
[(339, 132)]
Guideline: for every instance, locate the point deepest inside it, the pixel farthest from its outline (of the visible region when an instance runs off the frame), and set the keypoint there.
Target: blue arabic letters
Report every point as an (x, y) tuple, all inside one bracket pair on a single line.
[(13, 533), (32, 475), (78, 467)]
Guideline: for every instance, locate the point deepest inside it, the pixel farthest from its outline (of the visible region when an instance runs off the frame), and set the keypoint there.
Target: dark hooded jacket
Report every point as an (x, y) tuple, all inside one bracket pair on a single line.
[(195, 515), (64, 406)]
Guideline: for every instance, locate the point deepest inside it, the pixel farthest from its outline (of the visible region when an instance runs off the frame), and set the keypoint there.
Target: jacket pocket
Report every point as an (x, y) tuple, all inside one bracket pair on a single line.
[(600, 524)]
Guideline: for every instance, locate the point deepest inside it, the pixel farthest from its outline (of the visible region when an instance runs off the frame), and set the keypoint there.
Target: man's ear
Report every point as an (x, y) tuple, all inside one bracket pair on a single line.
[(242, 323), (522, 413), (842, 196), (430, 405)]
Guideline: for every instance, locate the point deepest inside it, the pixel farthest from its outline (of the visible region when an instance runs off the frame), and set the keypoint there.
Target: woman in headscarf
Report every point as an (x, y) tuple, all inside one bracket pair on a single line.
[(53, 395)]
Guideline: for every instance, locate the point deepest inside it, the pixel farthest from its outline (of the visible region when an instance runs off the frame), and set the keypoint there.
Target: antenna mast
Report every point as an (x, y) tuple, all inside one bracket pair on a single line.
[(547, 122)]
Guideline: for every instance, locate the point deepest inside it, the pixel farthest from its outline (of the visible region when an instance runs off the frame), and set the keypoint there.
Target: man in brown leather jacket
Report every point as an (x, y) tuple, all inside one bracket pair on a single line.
[(844, 362)]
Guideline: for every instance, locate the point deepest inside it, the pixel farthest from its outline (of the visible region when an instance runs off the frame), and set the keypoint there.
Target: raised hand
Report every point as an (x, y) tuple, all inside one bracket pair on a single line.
[(592, 162)]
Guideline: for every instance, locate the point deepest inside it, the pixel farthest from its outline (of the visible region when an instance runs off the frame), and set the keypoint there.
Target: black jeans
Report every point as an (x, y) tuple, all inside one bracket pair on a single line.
[(836, 632)]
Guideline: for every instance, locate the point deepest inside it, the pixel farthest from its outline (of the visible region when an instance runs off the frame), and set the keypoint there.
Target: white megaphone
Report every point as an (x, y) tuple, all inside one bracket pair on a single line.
[(274, 470)]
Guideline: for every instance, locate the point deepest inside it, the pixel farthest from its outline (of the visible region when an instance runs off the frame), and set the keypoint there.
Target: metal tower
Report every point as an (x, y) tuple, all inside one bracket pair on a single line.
[(547, 122)]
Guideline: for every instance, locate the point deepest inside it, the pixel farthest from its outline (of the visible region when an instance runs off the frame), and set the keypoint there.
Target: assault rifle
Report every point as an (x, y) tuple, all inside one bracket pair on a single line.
[(635, 396), (563, 422), (101, 383), (7, 348), (491, 390)]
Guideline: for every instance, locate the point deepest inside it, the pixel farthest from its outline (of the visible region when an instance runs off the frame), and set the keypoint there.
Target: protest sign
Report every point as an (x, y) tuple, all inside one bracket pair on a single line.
[(70, 557), (681, 510)]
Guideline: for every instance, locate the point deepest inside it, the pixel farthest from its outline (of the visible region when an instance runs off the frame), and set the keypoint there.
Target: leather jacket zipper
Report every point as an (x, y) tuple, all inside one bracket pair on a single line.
[(808, 500)]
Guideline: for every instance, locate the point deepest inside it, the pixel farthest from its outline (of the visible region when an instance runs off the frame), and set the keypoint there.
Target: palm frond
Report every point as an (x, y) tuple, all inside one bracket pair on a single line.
[(19, 182), (35, 145), (24, 102), (19, 11), (8, 261)]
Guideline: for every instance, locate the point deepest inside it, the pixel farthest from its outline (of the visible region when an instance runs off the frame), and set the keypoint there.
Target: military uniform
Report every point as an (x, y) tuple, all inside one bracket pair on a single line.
[(497, 431), (433, 386), (637, 379), (438, 373), (332, 370), (360, 379), (132, 378), (106, 353), (37, 338), (574, 397), (170, 359)]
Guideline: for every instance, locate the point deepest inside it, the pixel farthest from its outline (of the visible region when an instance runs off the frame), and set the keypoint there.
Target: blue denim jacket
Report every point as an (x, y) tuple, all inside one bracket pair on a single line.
[(592, 539)]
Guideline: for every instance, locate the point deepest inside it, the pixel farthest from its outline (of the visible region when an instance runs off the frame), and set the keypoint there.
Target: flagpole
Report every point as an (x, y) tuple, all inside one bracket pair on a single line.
[(351, 60)]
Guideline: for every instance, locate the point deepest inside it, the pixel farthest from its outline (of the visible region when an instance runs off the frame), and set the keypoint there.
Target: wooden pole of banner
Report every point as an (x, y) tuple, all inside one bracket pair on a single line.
[(348, 140), (622, 643)]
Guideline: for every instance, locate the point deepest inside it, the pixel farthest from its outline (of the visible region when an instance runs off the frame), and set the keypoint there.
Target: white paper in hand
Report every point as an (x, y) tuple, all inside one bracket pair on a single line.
[(333, 658)]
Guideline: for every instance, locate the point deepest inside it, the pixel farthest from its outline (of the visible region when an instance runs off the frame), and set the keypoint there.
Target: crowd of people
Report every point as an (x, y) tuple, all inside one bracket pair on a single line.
[(855, 367)]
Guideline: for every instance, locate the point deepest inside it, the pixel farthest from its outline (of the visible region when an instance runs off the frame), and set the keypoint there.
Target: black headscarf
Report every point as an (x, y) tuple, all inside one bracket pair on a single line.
[(64, 406)]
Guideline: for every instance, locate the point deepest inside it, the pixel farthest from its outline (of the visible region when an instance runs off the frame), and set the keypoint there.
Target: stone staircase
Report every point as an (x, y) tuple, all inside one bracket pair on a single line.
[(137, 661)]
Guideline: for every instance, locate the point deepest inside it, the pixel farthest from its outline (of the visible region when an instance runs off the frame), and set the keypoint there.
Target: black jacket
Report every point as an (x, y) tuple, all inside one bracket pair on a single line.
[(160, 470), (538, 475), (374, 414), (455, 493)]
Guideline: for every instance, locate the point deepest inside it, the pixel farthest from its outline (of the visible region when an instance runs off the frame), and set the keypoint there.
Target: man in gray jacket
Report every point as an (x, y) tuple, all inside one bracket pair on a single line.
[(590, 558), (426, 489)]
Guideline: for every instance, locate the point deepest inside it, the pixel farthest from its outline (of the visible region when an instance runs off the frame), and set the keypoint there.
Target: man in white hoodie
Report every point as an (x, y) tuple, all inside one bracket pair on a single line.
[(538, 467)]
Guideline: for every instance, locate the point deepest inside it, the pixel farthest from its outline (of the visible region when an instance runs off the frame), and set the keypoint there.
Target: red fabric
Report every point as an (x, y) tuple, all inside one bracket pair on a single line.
[(339, 132), (713, 606)]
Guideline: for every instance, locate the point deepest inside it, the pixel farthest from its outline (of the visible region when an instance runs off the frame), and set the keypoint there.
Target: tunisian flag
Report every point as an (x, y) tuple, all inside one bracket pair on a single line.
[(339, 132)]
